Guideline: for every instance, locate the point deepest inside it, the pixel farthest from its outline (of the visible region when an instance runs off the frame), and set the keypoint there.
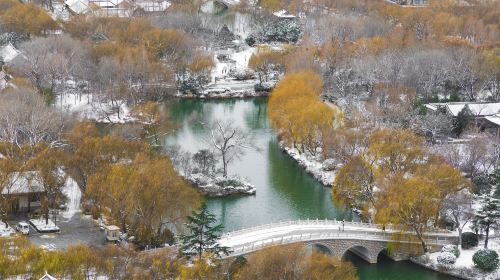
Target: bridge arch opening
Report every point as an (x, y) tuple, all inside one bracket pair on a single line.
[(318, 248), (360, 251), (383, 255)]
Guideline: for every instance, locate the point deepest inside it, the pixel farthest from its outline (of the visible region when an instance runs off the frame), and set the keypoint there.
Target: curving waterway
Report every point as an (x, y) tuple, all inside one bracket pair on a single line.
[(284, 190)]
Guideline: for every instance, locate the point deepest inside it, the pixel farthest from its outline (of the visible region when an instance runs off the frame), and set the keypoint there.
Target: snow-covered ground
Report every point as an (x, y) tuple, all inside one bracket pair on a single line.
[(74, 195), (86, 106), (6, 231), (321, 170), (464, 266), (222, 84), (41, 226)]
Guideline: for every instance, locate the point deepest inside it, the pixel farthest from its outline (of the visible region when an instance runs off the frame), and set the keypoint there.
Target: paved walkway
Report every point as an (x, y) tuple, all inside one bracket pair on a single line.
[(252, 239)]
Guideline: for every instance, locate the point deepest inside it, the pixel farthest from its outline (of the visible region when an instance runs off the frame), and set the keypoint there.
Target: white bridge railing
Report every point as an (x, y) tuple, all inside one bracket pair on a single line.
[(321, 222), (311, 230)]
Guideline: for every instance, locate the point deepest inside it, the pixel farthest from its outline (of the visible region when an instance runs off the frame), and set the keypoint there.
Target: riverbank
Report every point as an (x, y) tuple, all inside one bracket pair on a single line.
[(463, 266), (443, 270), (224, 94), (323, 171)]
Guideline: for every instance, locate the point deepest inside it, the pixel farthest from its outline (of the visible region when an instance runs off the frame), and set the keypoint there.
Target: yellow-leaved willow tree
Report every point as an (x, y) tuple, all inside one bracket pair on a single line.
[(298, 114), (397, 181)]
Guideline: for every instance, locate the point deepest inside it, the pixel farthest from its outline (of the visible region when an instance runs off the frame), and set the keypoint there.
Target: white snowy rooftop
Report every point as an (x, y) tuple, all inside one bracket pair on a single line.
[(112, 228), (494, 119), (283, 14), (153, 6), (8, 53), (48, 277), (78, 6), (23, 183), (479, 109)]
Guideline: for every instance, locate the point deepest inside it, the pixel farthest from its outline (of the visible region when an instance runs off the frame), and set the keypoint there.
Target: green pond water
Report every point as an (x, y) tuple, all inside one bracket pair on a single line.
[(284, 190)]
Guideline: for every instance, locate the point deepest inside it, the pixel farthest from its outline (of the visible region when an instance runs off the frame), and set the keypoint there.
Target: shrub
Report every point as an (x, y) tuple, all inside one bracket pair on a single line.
[(264, 87), (282, 31), (446, 258), (482, 184), (486, 259), (451, 249), (242, 74), (250, 40), (469, 240)]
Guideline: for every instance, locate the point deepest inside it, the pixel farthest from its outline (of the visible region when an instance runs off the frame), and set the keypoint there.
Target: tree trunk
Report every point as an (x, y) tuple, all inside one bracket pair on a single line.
[(459, 245), (487, 231), (419, 235), (423, 246), (224, 165)]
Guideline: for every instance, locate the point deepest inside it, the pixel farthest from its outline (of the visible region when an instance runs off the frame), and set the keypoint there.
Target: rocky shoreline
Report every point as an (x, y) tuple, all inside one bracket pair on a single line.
[(323, 171), (220, 186), (224, 95)]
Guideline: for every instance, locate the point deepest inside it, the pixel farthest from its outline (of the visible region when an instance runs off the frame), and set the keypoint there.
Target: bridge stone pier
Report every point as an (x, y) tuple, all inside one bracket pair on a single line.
[(335, 238)]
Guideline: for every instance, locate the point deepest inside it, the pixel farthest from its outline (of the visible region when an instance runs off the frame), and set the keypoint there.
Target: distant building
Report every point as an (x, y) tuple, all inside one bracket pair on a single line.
[(152, 6), (48, 277), (78, 7), (492, 124), (115, 8), (111, 8), (486, 114), (478, 109), (25, 191)]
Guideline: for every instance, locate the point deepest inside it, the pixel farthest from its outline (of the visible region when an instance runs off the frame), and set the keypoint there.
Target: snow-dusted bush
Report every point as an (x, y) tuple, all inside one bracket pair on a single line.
[(286, 31), (251, 40), (486, 259), (469, 240), (329, 165), (264, 87), (450, 248), (243, 74), (446, 258), (283, 31)]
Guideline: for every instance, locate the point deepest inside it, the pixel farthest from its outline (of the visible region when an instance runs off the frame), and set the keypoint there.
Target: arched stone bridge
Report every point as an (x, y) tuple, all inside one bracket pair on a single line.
[(363, 239)]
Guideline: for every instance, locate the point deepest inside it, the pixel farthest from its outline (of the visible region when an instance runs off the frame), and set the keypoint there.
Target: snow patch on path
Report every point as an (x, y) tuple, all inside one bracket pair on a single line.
[(74, 195)]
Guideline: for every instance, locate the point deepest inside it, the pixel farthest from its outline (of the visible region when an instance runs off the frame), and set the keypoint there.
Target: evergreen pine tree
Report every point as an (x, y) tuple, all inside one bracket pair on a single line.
[(488, 216), (203, 235), (461, 122)]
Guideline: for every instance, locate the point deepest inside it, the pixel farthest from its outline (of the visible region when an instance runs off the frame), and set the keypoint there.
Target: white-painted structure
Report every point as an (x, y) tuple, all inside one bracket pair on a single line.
[(25, 189), (478, 109), (486, 114), (152, 5), (112, 233), (245, 241)]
